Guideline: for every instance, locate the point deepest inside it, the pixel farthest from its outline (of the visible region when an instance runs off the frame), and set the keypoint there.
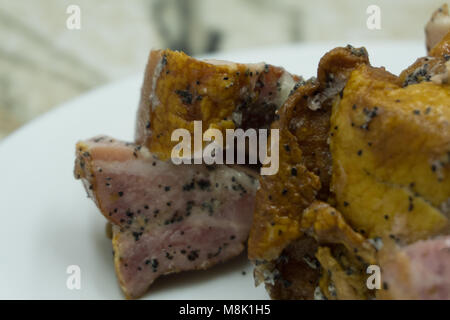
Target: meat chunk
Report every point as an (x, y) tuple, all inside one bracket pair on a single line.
[(305, 161), (433, 68), (179, 89), (375, 150), (165, 218), (304, 176), (391, 165), (418, 271), (437, 27)]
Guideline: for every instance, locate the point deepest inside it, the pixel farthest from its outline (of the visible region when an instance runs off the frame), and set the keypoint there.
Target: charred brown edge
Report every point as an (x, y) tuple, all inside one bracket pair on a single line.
[(339, 61)]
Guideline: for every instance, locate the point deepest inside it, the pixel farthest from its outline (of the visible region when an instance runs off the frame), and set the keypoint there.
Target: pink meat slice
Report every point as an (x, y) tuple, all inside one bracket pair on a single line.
[(166, 218), (419, 271)]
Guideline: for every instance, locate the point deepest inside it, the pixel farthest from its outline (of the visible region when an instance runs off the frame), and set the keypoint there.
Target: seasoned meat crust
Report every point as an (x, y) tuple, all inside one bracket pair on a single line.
[(165, 218), (363, 179), (179, 89), (304, 175), (384, 145), (390, 156), (433, 67)]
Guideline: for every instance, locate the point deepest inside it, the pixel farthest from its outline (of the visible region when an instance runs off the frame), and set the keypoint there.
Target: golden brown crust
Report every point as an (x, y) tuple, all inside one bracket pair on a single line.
[(305, 161), (330, 256), (389, 183), (442, 47), (275, 223), (179, 90), (391, 171), (427, 67), (304, 175)]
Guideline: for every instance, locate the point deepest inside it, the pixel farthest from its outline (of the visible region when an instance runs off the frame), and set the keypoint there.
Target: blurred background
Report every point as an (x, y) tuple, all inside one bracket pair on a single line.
[(44, 63)]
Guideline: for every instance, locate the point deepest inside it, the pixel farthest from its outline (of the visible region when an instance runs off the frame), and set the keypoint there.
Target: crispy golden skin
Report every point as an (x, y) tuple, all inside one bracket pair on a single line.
[(304, 171), (343, 254), (442, 48), (425, 68), (330, 255), (179, 90), (383, 180), (303, 177), (391, 156)]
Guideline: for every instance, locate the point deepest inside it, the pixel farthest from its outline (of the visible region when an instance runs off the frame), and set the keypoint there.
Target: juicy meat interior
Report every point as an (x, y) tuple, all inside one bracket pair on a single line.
[(165, 218)]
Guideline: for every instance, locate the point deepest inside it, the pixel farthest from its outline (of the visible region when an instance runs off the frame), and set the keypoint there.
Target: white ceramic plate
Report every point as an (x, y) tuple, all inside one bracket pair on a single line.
[(48, 223)]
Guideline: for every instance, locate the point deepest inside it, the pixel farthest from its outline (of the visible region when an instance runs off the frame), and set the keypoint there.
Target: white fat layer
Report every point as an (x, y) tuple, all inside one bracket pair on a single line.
[(256, 67), (287, 83), (447, 242), (318, 295), (310, 262), (270, 276), (443, 77), (376, 242), (216, 62), (145, 153), (438, 26), (336, 86), (153, 98), (445, 207)]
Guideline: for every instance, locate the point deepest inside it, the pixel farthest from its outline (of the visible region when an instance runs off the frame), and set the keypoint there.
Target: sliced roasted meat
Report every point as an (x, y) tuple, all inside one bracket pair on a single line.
[(169, 218), (304, 175), (432, 68), (437, 27), (382, 179), (391, 156), (166, 218), (179, 89)]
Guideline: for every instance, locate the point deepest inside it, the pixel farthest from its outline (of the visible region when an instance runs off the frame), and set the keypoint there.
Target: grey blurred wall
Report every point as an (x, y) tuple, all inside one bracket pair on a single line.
[(43, 63)]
